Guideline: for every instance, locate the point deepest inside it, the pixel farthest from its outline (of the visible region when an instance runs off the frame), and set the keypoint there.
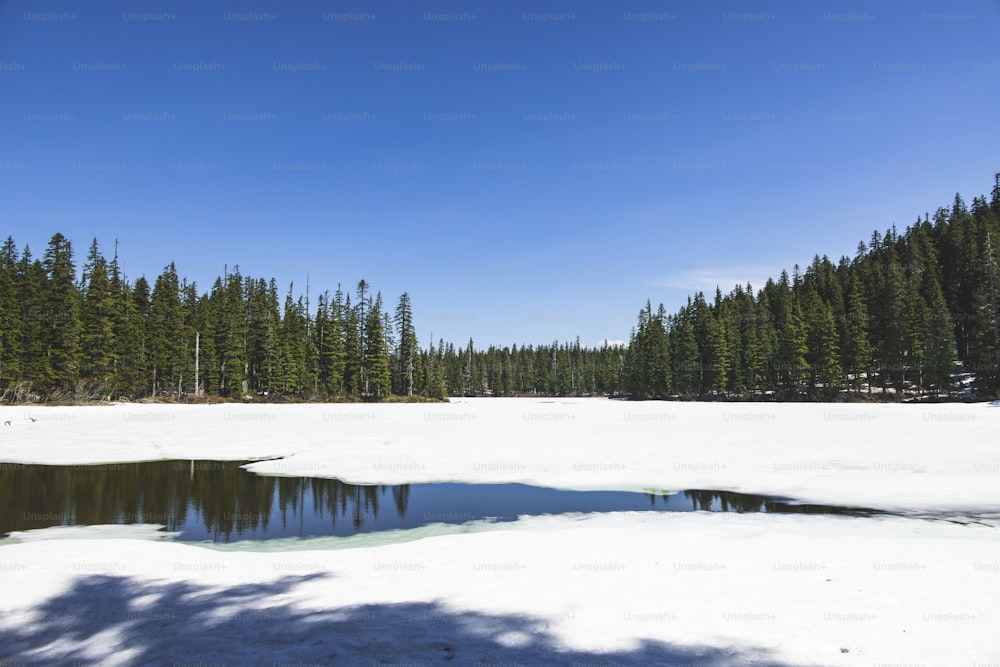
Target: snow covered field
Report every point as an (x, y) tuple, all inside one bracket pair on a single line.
[(619, 588)]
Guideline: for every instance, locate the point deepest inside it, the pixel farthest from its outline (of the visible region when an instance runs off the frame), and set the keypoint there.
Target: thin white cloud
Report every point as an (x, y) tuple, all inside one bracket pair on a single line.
[(707, 278)]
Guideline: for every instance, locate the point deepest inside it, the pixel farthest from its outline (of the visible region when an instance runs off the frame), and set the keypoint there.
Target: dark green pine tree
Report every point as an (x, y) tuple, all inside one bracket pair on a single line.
[(62, 311), (32, 286), (235, 332), (406, 355), (97, 321), (789, 353), (435, 377), (612, 363), (793, 346), (634, 360), (124, 323), (704, 335), (505, 378), (748, 319), (542, 364), (363, 308), (377, 352), (731, 345), (713, 345), (132, 377), (263, 325), (353, 362), (649, 359), (452, 368), (468, 381), (984, 329), (293, 344), (204, 326), (658, 345), (389, 340), (10, 318), (333, 348), (961, 271), (855, 349), (684, 369), (766, 328), (166, 332), (823, 348), (321, 328), (938, 342), (187, 383)]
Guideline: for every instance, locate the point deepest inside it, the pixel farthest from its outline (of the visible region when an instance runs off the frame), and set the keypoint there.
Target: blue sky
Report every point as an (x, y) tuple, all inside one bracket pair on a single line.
[(527, 171)]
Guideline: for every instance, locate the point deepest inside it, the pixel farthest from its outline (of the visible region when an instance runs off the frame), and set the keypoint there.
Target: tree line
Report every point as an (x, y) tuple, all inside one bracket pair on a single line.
[(907, 315), (901, 317), (103, 336)]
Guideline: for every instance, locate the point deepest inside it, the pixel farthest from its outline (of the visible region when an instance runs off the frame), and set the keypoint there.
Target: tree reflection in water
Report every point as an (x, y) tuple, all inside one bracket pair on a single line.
[(226, 500), (220, 502), (728, 501)]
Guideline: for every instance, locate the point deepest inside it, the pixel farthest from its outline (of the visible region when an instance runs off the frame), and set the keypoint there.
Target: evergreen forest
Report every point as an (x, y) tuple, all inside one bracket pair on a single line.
[(912, 313)]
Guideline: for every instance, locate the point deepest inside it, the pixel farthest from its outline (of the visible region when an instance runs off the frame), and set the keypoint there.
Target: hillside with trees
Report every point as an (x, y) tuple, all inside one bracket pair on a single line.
[(901, 318)]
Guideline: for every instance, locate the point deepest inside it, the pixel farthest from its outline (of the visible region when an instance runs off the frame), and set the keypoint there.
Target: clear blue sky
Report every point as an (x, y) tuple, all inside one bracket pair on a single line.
[(527, 171)]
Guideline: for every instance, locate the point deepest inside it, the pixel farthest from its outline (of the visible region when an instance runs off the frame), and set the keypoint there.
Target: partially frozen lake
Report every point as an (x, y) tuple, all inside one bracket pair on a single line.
[(582, 582), (219, 501)]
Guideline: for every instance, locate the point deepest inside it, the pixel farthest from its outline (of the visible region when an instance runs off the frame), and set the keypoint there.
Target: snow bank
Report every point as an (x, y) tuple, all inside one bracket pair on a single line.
[(623, 588), (133, 531)]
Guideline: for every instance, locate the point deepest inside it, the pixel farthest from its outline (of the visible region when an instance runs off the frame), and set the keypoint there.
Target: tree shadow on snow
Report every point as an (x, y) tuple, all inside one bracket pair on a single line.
[(104, 619)]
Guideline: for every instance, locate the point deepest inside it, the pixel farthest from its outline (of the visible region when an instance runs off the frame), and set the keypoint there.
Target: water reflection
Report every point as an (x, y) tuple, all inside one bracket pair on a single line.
[(220, 502), (727, 501)]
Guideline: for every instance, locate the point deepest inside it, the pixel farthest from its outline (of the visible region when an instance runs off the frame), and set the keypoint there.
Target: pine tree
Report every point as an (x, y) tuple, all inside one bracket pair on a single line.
[(186, 378), (435, 378), (62, 312), (321, 329), (263, 336), (748, 318), (166, 332), (406, 354), (295, 375), (10, 317), (334, 341), (706, 335), (791, 345), (684, 368), (353, 385), (984, 344), (857, 353), (363, 307), (648, 365), (717, 344), (133, 339), (204, 327), (468, 385), (31, 288), (938, 343), (822, 345), (389, 341), (97, 320), (227, 304)]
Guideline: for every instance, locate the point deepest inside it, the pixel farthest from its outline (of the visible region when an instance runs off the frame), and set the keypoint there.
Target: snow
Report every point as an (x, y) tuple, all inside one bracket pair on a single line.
[(614, 588)]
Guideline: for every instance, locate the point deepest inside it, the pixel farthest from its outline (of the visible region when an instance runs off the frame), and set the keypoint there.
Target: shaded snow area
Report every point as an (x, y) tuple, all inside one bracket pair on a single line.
[(620, 588)]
